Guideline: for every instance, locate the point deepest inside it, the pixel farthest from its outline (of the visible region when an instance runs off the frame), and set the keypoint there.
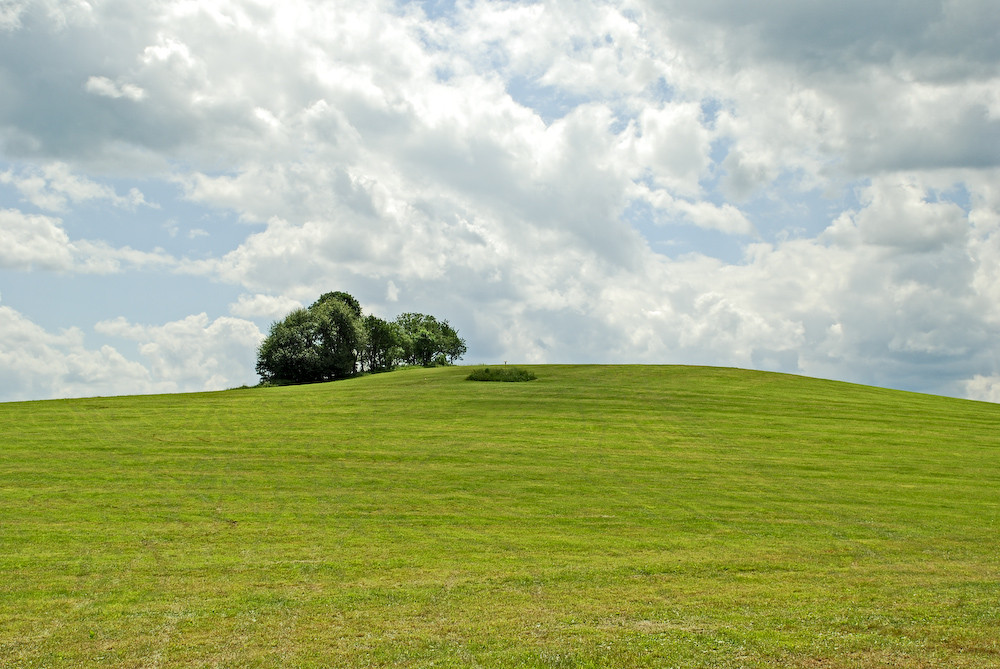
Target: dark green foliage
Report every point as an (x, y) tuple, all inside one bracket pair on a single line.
[(508, 374), (332, 339), (383, 346), (320, 343), (290, 353), (342, 337), (428, 342), (454, 346), (342, 297)]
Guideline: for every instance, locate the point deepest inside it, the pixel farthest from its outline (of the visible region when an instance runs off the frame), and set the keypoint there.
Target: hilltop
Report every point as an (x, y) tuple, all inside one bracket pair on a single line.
[(597, 516)]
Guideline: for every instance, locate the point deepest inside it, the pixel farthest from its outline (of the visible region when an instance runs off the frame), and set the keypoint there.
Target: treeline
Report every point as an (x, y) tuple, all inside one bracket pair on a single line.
[(332, 339)]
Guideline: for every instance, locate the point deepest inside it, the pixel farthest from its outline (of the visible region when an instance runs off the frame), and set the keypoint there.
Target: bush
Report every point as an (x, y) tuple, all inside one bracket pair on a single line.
[(507, 374)]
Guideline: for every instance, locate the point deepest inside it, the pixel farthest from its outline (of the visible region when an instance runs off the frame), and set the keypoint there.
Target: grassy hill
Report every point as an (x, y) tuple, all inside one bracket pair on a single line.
[(598, 516)]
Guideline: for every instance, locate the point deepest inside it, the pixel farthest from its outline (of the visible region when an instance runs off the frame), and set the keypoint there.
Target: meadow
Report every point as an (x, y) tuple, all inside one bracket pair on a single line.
[(598, 516)]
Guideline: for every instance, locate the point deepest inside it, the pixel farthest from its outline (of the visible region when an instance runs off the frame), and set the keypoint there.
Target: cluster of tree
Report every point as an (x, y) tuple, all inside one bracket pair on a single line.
[(332, 339)]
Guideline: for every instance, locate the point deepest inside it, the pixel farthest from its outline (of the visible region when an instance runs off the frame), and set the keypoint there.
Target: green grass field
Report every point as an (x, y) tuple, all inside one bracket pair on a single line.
[(618, 516)]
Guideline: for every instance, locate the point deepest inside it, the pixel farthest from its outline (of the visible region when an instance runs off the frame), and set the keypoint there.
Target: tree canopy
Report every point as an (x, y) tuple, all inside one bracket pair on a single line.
[(428, 341), (333, 339)]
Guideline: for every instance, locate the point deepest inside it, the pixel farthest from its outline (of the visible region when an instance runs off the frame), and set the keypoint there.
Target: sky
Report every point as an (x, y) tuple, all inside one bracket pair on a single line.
[(799, 186)]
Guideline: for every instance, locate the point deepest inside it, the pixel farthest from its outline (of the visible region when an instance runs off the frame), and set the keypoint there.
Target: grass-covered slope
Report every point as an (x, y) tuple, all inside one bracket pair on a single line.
[(598, 516)]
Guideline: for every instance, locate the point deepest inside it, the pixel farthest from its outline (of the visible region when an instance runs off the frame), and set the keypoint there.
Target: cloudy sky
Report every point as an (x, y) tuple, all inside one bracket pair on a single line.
[(803, 186)]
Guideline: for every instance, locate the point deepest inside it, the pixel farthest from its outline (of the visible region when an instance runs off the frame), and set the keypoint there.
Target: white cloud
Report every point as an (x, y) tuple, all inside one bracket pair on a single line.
[(29, 242), (53, 187), (37, 364), (10, 15), (527, 211), (675, 145), (101, 258), (725, 218), (485, 167), (195, 353), (192, 354), (59, 13), (110, 89), (983, 388), (33, 241), (813, 90), (897, 215), (264, 306)]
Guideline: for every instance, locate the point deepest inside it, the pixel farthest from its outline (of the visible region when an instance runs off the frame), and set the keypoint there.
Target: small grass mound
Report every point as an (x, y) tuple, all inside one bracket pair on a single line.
[(507, 374)]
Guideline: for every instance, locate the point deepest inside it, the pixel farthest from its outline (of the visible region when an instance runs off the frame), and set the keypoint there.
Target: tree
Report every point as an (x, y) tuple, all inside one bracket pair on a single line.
[(341, 296), (427, 341), (290, 352), (320, 343), (453, 346), (383, 345), (342, 336)]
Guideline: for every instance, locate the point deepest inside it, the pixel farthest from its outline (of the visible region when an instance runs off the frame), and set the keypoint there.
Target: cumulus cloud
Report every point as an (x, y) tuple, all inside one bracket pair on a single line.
[(33, 241), (37, 364), (264, 306), (983, 388), (829, 169), (194, 353), (841, 87), (191, 354), (10, 15), (53, 187), (897, 215), (30, 242), (110, 89)]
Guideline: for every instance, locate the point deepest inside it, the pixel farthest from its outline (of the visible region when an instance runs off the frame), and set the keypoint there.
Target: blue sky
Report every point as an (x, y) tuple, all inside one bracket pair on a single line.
[(799, 186)]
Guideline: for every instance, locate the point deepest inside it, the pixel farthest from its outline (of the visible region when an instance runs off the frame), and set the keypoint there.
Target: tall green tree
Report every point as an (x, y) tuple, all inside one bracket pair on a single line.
[(383, 345), (291, 353), (341, 296), (427, 341), (452, 346), (320, 343), (342, 336)]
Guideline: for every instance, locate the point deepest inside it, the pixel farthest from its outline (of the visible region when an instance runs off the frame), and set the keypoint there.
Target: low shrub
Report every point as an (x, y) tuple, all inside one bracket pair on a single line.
[(507, 374)]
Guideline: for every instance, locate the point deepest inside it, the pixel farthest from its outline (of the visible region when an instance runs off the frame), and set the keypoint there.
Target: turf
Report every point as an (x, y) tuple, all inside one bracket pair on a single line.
[(600, 516), (503, 374)]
